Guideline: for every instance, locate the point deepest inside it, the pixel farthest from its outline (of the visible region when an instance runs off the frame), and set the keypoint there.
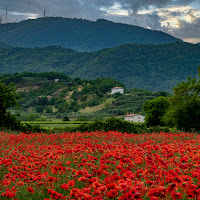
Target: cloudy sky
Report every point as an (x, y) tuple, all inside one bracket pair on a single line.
[(180, 18)]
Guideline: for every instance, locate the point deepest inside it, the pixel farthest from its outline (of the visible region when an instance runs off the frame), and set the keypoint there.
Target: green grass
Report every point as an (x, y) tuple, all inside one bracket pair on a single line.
[(56, 124), (52, 126)]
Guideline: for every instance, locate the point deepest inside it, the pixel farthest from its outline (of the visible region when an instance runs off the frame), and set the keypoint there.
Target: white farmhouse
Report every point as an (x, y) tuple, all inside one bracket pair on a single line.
[(131, 117), (117, 90)]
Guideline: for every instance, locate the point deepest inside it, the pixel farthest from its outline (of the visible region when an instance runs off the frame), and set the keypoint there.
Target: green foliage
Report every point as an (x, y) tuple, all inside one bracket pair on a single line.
[(39, 109), (40, 93), (48, 109), (28, 116), (78, 34), (112, 124), (42, 119), (132, 102), (115, 124), (149, 67), (32, 117), (93, 102), (184, 112), (155, 110), (8, 99), (34, 88), (82, 118), (66, 118)]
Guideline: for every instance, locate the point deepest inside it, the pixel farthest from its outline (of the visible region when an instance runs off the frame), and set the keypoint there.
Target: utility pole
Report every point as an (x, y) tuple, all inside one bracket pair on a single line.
[(6, 19)]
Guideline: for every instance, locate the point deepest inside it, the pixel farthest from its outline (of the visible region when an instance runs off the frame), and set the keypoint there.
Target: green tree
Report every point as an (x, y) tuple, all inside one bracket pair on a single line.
[(184, 112), (82, 118), (66, 118), (155, 110), (49, 109), (8, 99), (39, 109)]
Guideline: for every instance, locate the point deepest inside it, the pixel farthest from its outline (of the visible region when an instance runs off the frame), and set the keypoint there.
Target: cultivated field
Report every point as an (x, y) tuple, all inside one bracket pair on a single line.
[(99, 165), (57, 124)]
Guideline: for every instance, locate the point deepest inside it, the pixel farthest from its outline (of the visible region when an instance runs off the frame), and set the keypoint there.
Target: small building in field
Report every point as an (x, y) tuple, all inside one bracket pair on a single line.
[(56, 80), (131, 117), (117, 90)]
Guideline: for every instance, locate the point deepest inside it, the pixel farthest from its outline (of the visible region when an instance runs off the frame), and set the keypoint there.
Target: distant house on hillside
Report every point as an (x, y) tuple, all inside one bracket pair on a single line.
[(56, 80), (117, 90), (131, 117), (48, 97)]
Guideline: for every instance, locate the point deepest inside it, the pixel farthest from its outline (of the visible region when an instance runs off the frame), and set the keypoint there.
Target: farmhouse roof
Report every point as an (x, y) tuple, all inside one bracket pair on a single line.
[(131, 115), (117, 88)]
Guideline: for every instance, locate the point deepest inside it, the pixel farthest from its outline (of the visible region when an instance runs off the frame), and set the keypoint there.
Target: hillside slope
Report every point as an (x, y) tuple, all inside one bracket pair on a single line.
[(78, 34), (150, 67), (40, 93)]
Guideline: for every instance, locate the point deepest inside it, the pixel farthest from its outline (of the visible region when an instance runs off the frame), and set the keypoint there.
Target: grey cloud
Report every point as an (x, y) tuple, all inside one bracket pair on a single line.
[(81, 7), (90, 9), (173, 14), (65, 8), (188, 30), (136, 5)]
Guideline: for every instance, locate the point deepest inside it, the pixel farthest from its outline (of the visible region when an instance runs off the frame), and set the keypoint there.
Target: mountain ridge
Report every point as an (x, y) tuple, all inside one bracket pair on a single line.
[(149, 67), (78, 34)]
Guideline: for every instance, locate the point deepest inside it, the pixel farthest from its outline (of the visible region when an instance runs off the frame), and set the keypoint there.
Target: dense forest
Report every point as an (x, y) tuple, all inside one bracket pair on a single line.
[(78, 34), (150, 67)]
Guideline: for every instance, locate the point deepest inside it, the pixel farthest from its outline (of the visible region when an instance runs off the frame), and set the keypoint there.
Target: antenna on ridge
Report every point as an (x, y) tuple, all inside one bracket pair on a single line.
[(6, 19)]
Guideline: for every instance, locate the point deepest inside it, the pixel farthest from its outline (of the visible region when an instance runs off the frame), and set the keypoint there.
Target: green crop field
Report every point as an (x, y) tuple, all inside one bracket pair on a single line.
[(57, 124)]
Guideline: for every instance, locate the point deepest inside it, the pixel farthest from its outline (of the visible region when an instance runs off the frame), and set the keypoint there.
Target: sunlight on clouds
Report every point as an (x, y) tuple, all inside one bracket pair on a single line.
[(192, 40), (171, 23), (167, 10), (116, 9), (171, 16), (28, 15)]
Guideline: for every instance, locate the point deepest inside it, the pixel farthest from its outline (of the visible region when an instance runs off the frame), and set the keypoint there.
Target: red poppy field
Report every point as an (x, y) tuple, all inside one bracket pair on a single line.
[(99, 165)]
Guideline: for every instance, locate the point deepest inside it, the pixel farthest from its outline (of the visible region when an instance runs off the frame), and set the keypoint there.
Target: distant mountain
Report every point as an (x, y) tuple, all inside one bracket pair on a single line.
[(4, 45), (78, 34), (149, 67)]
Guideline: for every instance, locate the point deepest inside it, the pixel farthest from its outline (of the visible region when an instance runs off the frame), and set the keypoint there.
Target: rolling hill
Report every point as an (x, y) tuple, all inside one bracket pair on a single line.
[(150, 67), (41, 94), (78, 34)]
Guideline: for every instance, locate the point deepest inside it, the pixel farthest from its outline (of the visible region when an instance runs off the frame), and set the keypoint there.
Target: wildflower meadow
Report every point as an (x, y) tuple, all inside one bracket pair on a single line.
[(99, 165)]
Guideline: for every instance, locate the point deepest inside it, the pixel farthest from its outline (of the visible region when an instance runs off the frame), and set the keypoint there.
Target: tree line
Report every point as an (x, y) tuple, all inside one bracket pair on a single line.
[(182, 110)]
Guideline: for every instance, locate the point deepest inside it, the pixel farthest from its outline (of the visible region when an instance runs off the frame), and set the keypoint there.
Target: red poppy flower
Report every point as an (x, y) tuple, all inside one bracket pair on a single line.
[(65, 186), (175, 195), (30, 189), (112, 193), (71, 183), (8, 194)]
